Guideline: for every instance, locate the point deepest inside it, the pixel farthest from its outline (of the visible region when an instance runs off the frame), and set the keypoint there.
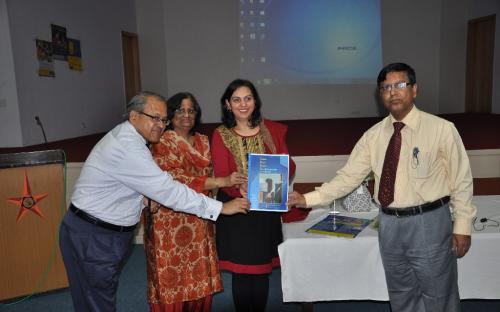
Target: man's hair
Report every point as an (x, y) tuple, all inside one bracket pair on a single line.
[(397, 67), (138, 102), (174, 102), (227, 116)]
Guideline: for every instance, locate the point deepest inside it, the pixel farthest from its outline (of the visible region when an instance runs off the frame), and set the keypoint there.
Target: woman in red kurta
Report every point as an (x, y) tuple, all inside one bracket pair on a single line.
[(246, 244), (182, 264)]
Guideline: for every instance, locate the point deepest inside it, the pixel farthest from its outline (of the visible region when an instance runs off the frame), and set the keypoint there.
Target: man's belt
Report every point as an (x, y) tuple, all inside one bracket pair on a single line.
[(415, 210), (91, 219)]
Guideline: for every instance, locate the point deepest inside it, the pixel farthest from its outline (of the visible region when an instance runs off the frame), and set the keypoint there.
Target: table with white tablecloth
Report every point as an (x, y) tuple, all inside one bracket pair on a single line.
[(317, 267)]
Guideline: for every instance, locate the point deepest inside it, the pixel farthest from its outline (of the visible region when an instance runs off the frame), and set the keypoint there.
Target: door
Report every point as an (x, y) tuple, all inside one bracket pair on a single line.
[(479, 72), (131, 67)]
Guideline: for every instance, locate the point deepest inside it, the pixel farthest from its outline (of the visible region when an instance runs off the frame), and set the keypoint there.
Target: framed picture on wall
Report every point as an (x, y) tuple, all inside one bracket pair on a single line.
[(59, 42), (44, 55), (74, 55)]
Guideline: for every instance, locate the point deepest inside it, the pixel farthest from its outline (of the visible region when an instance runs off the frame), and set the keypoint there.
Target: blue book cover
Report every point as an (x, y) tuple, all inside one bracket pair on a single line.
[(339, 226), (268, 182)]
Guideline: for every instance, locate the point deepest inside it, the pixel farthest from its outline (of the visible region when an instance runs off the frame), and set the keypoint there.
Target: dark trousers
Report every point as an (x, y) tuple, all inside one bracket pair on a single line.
[(250, 292), (420, 266), (93, 257)]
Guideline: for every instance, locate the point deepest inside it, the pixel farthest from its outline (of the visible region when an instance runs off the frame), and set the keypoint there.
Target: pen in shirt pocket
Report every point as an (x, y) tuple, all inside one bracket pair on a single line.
[(416, 151)]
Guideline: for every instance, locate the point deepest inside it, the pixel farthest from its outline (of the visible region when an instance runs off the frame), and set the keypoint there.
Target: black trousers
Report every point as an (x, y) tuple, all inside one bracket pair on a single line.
[(250, 292), (93, 258)]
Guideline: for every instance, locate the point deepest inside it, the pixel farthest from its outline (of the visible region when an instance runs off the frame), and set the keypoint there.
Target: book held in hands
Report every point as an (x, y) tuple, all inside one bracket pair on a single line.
[(268, 182)]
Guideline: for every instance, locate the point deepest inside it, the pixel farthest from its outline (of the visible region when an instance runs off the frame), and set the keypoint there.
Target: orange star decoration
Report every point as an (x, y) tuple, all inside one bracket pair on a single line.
[(28, 202)]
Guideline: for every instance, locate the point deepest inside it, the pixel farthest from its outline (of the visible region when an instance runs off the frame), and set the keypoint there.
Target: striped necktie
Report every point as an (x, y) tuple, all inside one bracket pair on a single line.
[(388, 177)]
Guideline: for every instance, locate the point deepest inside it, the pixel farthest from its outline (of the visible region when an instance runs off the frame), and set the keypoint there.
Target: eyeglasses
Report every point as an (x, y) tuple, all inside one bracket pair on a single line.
[(238, 100), (164, 121), (396, 86), (182, 111)]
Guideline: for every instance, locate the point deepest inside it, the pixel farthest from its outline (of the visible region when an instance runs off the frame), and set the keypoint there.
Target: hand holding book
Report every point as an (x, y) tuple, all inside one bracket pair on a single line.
[(296, 199)]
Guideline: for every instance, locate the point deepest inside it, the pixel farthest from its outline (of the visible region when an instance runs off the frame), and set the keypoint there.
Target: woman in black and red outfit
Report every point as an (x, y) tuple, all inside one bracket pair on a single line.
[(246, 244)]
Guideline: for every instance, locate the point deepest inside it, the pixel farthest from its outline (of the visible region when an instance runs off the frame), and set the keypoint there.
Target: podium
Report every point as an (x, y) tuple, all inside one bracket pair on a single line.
[(32, 205)]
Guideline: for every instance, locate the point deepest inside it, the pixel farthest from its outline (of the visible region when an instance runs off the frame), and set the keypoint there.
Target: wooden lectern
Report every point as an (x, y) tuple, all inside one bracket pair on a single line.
[(32, 205)]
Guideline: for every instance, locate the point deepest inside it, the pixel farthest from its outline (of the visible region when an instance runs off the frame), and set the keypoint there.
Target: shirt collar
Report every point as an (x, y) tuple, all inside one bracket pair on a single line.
[(133, 130), (410, 120)]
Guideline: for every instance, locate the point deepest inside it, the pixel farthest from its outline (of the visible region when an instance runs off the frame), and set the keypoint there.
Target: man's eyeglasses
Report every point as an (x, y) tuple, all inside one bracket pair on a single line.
[(182, 111), (396, 86), (164, 121)]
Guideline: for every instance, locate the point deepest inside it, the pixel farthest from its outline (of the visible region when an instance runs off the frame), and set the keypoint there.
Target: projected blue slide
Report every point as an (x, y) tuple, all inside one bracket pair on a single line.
[(310, 41)]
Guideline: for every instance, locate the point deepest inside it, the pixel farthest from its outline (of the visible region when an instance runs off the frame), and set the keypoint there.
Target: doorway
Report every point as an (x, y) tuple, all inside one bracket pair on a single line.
[(131, 67), (479, 72)]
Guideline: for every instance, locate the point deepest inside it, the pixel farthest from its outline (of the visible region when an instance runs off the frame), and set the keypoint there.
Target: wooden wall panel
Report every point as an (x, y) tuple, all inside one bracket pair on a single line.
[(29, 247)]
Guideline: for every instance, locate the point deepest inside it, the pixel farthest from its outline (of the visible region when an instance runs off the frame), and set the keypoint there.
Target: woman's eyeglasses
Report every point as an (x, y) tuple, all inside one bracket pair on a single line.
[(182, 111)]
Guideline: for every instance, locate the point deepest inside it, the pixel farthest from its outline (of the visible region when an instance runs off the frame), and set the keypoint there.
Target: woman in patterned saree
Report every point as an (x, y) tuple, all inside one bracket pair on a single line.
[(182, 264), (247, 245)]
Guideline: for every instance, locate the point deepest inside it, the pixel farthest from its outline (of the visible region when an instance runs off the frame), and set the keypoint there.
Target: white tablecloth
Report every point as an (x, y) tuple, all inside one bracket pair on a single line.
[(318, 267)]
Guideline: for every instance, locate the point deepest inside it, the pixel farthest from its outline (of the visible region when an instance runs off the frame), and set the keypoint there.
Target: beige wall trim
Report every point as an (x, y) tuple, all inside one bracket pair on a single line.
[(484, 164)]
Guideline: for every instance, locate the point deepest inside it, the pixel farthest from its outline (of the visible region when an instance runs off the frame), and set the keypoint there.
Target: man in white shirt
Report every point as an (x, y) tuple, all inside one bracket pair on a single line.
[(106, 205)]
